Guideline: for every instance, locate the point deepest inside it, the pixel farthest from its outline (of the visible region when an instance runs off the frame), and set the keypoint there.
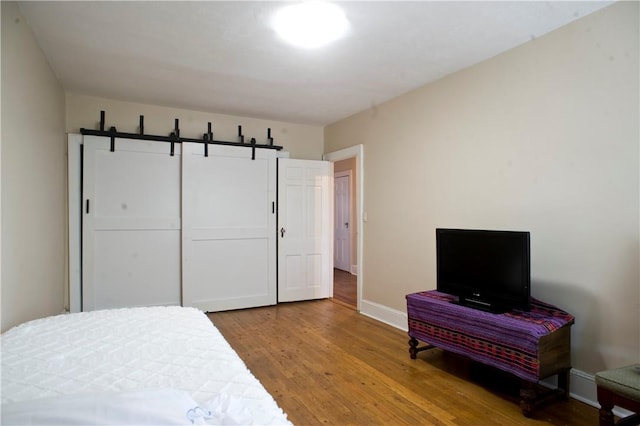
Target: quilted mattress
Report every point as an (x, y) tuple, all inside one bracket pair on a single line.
[(120, 351)]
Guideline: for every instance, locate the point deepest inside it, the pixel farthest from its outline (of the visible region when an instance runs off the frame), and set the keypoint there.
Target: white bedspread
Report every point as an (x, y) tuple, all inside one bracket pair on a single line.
[(145, 353)]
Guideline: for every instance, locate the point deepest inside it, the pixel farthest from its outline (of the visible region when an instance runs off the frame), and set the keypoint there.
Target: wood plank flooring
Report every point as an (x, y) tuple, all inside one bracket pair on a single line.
[(345, 288), (327, 364)]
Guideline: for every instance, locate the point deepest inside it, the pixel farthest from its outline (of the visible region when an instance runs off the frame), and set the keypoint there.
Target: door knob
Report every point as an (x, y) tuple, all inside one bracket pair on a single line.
[(282, 231), (346, 225)]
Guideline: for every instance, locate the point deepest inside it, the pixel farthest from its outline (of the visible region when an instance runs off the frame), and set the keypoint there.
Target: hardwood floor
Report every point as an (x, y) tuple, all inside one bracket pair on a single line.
[(327, 364), (345, 288)]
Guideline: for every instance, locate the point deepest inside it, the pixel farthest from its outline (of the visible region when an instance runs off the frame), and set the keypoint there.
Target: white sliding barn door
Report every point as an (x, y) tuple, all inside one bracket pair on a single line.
[(305, 229), (229, 225), (130, 224)]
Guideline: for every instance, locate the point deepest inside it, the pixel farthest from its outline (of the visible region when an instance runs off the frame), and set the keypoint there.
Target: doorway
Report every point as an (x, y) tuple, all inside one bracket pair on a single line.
[(342, 217), (344, 282), (348, 281)]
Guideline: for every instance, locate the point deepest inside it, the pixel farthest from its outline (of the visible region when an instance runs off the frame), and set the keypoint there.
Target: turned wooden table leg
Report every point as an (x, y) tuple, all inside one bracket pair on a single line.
[(528, 397), (564, 382), (413, 348), (606, 406), (533, 396), (606, 416)]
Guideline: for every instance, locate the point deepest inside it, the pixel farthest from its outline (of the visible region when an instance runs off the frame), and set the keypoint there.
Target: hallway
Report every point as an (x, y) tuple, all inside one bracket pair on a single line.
[(345, 288)]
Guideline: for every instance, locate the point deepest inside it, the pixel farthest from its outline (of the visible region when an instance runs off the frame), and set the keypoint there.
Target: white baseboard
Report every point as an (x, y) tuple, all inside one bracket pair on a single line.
[(394, 318), (582, 385), (584, 389)]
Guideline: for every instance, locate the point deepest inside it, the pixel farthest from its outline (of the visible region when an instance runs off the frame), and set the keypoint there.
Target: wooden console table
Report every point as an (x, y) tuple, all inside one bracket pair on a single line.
[(531, 345)]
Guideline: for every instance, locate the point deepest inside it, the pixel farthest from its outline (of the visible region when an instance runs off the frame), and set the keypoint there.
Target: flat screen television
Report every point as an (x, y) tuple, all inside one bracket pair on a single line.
[(488, 270)]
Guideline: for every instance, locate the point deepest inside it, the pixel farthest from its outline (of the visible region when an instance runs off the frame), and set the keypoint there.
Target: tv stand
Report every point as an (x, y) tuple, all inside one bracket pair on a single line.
[(531, 345)]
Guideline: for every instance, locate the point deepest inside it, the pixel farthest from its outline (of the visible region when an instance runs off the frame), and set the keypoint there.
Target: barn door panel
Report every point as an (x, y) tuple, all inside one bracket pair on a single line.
[(131, 224), (228, 235)]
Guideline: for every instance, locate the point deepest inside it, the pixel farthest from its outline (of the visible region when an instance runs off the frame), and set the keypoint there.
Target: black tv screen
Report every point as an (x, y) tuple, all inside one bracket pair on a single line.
[(488, 270)]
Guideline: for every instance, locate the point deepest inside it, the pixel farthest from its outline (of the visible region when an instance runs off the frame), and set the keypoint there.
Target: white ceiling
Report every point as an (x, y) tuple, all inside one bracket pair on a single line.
[(223, 56)]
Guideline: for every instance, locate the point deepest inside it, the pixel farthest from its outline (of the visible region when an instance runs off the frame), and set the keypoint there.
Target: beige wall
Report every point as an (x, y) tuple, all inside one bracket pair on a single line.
[(542, 138), (34, 171), (302, 141)]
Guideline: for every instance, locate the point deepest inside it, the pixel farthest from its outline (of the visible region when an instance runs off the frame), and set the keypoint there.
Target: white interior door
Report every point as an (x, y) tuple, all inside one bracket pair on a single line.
[(229, 225), (130, 224), (342, 223), (305, 229)]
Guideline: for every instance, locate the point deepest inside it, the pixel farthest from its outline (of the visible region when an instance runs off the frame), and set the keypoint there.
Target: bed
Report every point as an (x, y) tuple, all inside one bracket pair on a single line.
[(151, 365)]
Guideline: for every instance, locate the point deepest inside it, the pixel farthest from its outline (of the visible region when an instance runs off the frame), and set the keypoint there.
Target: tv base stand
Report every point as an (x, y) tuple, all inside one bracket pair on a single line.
[(483, 306), (531, 345)]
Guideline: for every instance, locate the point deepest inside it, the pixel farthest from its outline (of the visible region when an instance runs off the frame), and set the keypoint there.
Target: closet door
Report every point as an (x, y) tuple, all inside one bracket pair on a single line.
[(229, 225), (130, 224)]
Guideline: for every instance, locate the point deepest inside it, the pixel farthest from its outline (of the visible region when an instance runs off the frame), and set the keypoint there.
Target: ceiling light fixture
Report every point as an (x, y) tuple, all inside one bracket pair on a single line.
[(310, 24)]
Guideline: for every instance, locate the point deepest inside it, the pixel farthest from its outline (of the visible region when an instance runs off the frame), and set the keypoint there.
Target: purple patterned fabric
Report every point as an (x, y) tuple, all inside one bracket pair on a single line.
[(506, 341)]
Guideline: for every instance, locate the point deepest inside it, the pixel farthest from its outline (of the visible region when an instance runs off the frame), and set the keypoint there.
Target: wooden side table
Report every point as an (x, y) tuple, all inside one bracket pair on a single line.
[(621, 387), (531, 345)]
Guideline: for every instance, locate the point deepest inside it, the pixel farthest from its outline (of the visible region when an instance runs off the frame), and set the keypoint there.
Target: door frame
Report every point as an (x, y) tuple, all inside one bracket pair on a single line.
[(356, 151), (74, 227)]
